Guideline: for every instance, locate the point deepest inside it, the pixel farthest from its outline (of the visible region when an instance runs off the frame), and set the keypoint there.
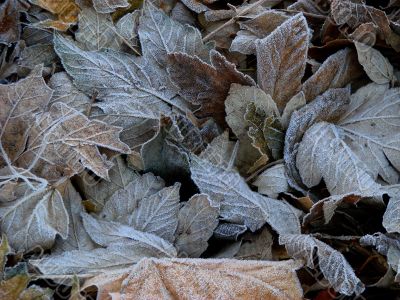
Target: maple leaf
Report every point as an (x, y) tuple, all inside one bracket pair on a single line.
[(63, 142)]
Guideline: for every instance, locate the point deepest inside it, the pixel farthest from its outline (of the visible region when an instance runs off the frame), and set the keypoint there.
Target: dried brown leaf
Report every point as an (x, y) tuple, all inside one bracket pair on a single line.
[(281, 59), (185, 278), (208, 85)]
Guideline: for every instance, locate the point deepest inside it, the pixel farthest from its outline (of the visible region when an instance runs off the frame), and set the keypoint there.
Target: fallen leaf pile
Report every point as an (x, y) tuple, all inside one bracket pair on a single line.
[(199, 149)]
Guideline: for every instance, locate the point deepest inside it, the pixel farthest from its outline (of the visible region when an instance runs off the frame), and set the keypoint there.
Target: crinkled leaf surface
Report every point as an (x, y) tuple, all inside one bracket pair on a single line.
[(332, 263)]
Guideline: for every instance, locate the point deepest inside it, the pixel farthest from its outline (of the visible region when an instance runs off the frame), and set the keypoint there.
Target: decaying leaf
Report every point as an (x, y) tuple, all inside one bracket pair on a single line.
[(375, 64), (9, 16), (108, 6), (63, 142), (281, 60), (185, 278), (209, 84), (65, 12), (238, 203), (332, 263), (34, 218), (197, 220), (328, 106), (272, 181), (336, 72)]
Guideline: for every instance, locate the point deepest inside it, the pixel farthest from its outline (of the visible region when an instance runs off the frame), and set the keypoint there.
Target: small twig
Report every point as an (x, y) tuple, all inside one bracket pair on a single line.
[(233, 19)]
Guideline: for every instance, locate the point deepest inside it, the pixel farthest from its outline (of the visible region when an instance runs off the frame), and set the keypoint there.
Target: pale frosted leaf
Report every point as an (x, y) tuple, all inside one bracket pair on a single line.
[(332, 263), (197, 221), (371, 126), (127, 27), (105, 233), (281, 59), (77, 238), (239, 204), (308, 6), (96, 31), (323, 154), (108, 6), (99, 191), (244, 42), (19, 103), (95, 261), (377, 67), (63, 142), (158, 213), (34, 218), (160, 35), (391, 218), (224, 279), (208, 85), (337, 71), (385, 245), (118, 79), (297, 102), (236, 106), (66, 92), (124, 201), (328, 106), (220, 151), (256, 246), (229, 231), (272, 181)]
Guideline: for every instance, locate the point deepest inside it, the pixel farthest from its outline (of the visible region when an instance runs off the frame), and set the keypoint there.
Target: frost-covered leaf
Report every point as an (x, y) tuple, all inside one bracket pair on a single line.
[(9, 14), (281, 59), (95, 261), (233, 279), (244, 42), (256, 246), (66, 13), (118, 79), (105, 233), (20, 102), (265, 129), (221, 151), (63, 142), (332, 263), (236, 105), (229, 231), (239, 204), (197, 221), (385, 245), (158, 213), (67, 93), (391, 218), (323, 154), (77, 238), (371, 126), (108, 6), (272, 181), (96, 31), (160, 35), (328, 106), (34, 217), (99, 191), (208, 85), (297, 102), (337, 71), (377, 67)]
